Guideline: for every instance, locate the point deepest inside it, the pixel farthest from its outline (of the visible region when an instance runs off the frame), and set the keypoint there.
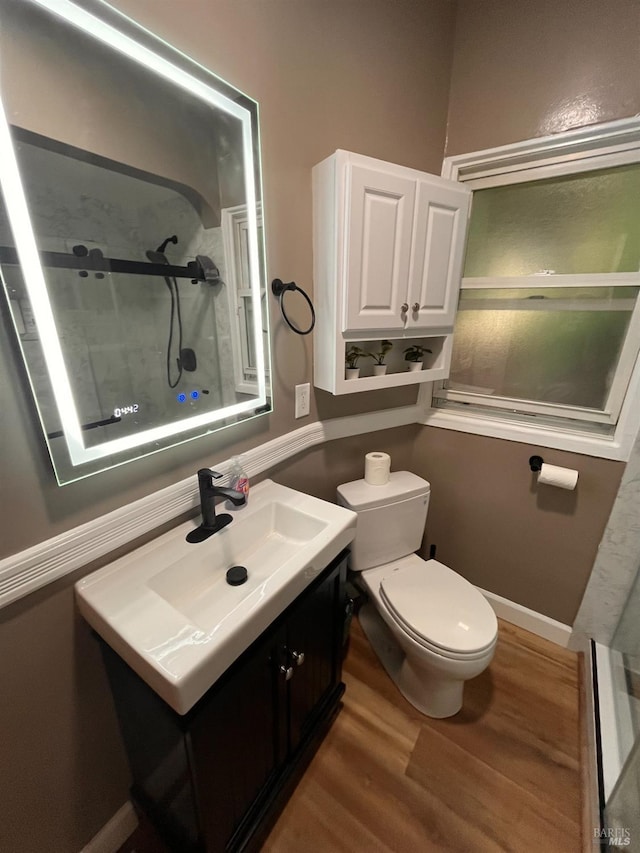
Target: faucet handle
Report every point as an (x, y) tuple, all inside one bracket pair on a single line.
[(206, 473)]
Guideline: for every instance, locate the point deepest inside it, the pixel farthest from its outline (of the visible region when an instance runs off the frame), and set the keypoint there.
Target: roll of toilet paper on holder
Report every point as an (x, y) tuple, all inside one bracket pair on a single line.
[(377, 467), (554, 475)]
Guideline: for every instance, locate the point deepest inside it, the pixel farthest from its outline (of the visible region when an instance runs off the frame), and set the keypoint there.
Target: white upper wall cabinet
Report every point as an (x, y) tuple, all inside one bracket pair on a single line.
[(404, 242), (388, 252)]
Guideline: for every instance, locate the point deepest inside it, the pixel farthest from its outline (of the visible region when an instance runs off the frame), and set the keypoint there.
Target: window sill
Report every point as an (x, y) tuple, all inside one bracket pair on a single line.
[(617, 447)]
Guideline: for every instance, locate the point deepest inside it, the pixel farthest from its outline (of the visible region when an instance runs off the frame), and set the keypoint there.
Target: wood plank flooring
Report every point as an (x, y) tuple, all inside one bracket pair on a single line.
[(503, 774)]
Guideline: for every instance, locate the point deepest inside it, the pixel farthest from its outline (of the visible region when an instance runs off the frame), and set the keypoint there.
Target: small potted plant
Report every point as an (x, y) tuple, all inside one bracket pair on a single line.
[(352, 356), (413, 355), (380, 367)]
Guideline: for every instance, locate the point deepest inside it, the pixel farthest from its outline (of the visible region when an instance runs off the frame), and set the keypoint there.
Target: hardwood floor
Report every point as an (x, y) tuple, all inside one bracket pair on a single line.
[(502, 775)]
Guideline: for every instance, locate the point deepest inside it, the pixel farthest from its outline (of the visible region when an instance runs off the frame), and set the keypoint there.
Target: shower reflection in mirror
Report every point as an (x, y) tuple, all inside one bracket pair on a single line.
[(133, 263)]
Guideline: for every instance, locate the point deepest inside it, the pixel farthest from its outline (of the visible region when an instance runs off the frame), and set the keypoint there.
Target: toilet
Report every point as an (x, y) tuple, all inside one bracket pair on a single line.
[(431, 628)]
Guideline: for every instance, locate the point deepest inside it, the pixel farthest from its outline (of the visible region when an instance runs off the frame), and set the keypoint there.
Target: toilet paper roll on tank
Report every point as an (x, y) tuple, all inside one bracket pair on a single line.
[(377, 467)]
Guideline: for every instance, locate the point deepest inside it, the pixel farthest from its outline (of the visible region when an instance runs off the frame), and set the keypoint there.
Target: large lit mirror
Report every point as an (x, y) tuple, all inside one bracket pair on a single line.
[(131, 246)]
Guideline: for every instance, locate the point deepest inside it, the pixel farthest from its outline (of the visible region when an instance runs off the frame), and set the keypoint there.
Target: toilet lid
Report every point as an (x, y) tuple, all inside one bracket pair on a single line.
[(440, 606)]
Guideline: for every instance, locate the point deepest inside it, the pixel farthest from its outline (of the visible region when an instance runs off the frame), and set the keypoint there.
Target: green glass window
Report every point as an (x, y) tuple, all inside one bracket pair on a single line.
[(554, 345), (547, 322), (584, 223)]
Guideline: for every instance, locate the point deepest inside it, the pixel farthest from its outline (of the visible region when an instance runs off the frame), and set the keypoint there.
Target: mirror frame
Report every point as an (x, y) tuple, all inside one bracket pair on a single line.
[(177, 68)]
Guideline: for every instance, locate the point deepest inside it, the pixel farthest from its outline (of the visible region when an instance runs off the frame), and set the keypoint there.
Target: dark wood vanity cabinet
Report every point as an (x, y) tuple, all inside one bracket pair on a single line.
[(216, 778)]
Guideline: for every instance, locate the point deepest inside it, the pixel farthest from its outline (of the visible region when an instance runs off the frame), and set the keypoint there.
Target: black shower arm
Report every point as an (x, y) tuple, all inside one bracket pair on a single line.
[(95, 261)]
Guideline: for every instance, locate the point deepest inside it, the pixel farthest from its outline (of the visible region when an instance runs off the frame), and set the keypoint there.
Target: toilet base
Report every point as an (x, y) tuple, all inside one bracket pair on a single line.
[(428, 692)]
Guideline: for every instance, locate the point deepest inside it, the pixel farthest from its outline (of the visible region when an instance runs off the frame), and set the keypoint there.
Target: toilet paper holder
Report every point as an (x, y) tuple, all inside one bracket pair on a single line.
[(553, 475), (536, 463)]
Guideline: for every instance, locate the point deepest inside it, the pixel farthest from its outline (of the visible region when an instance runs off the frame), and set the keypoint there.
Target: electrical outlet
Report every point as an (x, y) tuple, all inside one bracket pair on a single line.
[(303, 393)]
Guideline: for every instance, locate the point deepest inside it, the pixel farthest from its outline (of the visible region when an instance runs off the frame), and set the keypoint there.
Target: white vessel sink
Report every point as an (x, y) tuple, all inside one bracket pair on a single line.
[(168, 610)]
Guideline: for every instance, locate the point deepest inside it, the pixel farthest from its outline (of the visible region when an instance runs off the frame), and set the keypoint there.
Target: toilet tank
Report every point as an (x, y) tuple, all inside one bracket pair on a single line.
[(391, 518)]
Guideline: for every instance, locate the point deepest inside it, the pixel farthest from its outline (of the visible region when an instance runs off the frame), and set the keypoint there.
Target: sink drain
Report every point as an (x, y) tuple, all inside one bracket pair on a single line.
[(237, 575)]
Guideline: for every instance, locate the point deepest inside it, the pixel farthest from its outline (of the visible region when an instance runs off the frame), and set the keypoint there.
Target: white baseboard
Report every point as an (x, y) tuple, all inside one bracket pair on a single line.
[(114, 833), (530, 620)]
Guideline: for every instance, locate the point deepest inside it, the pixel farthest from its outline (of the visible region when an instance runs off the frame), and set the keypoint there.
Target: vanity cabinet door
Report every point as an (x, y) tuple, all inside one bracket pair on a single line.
[(235, 744), (314, 639)]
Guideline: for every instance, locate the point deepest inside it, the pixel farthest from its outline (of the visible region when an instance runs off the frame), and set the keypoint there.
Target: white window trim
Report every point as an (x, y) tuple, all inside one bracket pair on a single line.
[(234, 220), (597, 147)]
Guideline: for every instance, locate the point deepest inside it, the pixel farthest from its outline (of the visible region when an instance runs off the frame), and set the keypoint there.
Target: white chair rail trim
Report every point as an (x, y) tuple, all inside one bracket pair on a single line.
[(26, 571)]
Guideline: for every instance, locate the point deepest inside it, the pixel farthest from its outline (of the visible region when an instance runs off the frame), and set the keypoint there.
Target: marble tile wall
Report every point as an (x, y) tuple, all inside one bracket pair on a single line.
[(617, 563), (627, 634)]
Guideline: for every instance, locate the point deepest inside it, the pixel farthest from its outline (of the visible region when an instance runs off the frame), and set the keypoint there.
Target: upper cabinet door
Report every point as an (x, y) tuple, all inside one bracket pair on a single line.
[(379, 217), (441, 215)]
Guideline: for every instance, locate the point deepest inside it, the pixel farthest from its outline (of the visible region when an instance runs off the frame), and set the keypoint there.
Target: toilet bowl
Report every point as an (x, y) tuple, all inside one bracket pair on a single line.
[(427, 652), (431, 628)]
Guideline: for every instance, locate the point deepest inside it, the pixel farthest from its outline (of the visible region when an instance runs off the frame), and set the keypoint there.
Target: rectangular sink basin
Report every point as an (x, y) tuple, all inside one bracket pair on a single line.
[(168, 610), (261, 543)]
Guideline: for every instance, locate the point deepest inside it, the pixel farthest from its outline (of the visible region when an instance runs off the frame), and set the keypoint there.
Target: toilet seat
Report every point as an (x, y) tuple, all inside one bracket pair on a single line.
[(435, 649), (438, 608)]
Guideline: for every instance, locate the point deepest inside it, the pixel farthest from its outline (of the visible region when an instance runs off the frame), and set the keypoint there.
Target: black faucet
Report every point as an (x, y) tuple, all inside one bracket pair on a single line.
[(212, 523)]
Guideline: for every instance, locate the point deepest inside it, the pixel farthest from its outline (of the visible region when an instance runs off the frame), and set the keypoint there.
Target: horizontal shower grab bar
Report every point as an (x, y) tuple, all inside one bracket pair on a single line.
[(96, 262), (92, 425)]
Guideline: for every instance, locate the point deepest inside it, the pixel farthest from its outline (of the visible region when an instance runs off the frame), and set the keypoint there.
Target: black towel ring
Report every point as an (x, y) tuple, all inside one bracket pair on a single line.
[(279, 289)]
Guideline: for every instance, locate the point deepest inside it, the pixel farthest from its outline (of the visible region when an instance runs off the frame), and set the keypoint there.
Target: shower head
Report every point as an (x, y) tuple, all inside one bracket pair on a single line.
[(157, 257)]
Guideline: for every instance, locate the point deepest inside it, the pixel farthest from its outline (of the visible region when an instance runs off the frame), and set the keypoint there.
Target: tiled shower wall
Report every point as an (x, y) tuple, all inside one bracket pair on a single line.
[(115, 329), (617, 562)]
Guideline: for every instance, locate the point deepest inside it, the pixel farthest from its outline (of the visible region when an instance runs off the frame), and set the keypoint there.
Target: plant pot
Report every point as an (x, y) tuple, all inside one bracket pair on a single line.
[(415, 365), (379, 369), (352, 372)]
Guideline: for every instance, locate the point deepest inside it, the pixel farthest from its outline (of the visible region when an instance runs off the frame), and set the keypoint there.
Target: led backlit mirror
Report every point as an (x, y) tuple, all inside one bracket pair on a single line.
[(131, 247)]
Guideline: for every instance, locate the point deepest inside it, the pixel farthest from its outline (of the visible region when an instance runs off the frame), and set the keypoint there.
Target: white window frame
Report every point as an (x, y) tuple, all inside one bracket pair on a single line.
[(624, 367), (598, 147), (235, 225)]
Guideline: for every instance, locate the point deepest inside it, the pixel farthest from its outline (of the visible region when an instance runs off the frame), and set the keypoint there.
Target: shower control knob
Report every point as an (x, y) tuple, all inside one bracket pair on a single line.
[(287, 671), (297, 658), (404, 307)]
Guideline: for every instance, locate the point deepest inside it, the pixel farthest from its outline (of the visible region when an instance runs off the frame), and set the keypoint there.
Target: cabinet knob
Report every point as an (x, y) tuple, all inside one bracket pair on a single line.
[(415, 307), (404, 307), (287, 671), (298, 658)]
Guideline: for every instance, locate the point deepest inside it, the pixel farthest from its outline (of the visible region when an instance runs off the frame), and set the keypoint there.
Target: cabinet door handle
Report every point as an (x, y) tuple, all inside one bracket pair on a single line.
[(404, 307), (287, 671), (415, 307), (298, 658)]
